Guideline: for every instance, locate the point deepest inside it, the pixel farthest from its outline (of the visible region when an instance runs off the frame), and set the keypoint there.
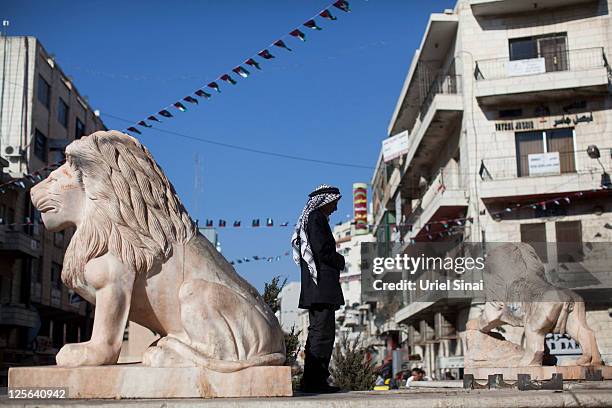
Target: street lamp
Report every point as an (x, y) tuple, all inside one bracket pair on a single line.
[(593, 152)]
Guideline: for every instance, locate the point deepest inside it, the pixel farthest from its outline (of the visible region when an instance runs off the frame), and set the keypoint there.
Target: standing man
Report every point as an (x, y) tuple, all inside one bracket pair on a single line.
[(314, 250)]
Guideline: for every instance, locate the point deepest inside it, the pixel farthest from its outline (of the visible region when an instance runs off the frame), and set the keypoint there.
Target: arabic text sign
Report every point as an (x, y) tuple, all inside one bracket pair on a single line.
[(526, 67), (395, 146), (544, 163)]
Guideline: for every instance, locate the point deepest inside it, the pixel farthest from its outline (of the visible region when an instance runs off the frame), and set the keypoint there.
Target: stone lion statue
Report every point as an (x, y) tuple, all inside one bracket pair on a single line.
[(520, 295), (137, 255)]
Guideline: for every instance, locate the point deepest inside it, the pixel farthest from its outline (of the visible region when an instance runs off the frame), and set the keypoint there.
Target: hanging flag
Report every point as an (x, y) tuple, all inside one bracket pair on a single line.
[(298, 34), (252, 63), (281, 44), (202, 94), (213, 85), (165, 113), (265, 54), (222, 223), (312, 25), (228, 78), (180, 106), (144, 124), (342, 5), (134, 130), (269, 222), (209, 223), (236, 223), (327, 14), (190, 99), (241, 71), (153, 118), (255, 223)]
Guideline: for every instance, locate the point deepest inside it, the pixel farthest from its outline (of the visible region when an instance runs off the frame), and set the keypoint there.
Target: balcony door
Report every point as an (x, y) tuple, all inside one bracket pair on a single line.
[(551, 47)]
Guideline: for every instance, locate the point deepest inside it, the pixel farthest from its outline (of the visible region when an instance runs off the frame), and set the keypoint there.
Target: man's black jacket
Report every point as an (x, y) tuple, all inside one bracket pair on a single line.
[(329, 264)]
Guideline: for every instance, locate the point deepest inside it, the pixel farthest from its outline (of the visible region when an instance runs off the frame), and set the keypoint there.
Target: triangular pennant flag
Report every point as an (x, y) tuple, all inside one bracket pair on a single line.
[(327, 14), (209, 223), (221, 223), (190, 99), (236, 223), (281, 44), (251, 62), (134, 130), (342, 5), (284, 224), (241, 71), (298, 34), (180, 106), (255, 223), (232, 263), (165, 113), (227, 78), (213, 85), (202, 94), (153, 118), (265, 54), (238, 260), (255, 257), (144, 124), (312, 25), (269, 222)]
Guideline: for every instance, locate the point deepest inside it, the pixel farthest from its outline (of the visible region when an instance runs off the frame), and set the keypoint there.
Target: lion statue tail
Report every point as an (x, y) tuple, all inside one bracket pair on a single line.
[(222, 366)]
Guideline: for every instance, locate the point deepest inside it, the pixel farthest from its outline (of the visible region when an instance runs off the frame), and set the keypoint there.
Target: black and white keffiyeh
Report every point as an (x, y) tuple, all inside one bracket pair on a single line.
[(324, 194)]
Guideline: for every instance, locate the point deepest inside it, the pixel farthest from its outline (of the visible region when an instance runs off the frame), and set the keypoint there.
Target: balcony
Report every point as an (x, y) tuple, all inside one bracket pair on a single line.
[(552, 76), (501, 177), (501, 7), (19, 243), (445, 198)]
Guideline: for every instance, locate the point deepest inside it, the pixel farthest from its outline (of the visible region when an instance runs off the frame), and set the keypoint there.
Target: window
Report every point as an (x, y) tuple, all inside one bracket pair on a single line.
[(62, 112), (58, 239), (535, 235), (37, 270), (569, 241), (79, 129), (43, 92), (547, 141), (551, 47), (40, 145), (56, 273)]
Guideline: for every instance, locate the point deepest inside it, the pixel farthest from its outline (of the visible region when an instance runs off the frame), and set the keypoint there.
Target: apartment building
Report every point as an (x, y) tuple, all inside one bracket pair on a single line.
[(41, 111), (501, 107)]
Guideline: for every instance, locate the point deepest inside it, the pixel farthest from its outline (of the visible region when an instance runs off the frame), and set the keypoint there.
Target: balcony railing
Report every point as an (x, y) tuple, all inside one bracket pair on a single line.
[(447, 84), (557, 61), (510, 167)]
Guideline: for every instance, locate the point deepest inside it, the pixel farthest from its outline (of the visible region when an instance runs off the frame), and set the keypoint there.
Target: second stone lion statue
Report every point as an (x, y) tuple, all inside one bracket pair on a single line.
[(519, 294), (137, 255)]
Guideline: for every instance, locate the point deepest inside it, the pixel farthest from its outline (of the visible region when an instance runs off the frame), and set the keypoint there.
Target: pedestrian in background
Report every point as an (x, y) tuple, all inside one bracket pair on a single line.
[(314, 250)]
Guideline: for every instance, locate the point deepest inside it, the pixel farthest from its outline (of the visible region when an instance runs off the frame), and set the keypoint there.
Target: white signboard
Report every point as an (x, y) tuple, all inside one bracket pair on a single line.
[(526, 67), (544, 163), (394, 147)]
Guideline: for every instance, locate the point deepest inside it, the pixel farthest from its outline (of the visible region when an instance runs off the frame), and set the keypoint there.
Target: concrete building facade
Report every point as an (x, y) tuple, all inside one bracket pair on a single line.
[(501, 102), (41, 111)]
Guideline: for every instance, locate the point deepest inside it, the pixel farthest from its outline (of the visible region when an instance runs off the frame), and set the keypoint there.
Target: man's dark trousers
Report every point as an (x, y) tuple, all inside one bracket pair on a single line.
[(319, 344)]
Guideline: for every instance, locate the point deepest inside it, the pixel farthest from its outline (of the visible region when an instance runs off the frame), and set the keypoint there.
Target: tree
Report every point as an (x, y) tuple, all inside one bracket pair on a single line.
[(352, 368)]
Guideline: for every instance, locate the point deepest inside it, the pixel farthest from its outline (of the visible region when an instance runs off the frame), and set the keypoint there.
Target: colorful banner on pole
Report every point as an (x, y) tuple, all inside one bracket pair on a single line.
[(360, 208)]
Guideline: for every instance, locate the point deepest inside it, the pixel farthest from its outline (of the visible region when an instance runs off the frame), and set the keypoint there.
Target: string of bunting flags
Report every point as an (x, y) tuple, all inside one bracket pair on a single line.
[(256, 258), (253, 62), (204, 92)]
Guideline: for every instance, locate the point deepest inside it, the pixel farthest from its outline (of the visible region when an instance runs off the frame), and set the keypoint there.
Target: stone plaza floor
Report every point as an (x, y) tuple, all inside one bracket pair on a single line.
[(586, 394)]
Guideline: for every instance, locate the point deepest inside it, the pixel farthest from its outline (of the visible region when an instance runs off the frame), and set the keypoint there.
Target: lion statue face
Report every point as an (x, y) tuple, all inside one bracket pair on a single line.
[(120, 201), (60, 198)]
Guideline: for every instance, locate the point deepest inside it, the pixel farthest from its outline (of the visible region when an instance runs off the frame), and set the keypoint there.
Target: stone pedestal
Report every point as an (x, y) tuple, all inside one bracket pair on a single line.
[(539, 373), (138, 381)]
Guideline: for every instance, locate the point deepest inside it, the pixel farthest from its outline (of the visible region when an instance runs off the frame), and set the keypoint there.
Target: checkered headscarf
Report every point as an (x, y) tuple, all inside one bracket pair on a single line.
[(322, 195)]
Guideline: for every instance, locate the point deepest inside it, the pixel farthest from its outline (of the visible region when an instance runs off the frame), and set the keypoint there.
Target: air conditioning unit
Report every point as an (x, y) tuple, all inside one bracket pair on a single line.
[(12, 151)]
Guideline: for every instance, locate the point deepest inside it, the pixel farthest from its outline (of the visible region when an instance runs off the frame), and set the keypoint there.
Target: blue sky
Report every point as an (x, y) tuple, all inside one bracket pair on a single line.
[(330, 99)]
